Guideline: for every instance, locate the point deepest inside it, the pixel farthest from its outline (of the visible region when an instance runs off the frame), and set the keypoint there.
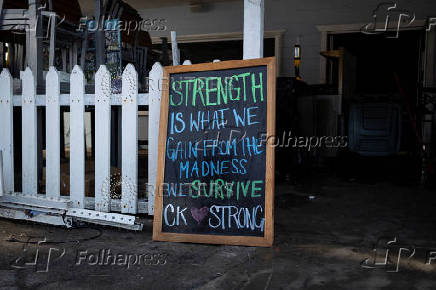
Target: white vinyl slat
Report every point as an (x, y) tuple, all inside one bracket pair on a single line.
[(102, 139), (29, 134), (7, 130), (77, 138), (129, 160), (155, 89), (52, 134)]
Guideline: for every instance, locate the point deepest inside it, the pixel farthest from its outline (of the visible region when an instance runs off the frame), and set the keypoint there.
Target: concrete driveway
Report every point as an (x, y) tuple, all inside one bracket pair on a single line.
[(326, 241)]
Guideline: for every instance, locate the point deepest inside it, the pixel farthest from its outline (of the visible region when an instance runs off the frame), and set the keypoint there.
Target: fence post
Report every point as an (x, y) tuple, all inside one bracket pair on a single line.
[(77, 138), (29, 134), (155, 91), (7, 130), (52, 134), (129, 146), (102, 139), (253, 28)]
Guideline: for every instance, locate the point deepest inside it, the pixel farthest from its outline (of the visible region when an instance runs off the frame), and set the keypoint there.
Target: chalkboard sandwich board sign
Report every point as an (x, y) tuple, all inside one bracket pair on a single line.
[(215, 179)]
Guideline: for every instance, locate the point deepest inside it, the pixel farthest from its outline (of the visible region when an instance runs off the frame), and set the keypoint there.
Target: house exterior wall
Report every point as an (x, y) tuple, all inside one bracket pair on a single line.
[(296, 17)]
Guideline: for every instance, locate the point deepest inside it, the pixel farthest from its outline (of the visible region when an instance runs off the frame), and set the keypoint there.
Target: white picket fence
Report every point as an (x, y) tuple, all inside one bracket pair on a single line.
[(129, 100)]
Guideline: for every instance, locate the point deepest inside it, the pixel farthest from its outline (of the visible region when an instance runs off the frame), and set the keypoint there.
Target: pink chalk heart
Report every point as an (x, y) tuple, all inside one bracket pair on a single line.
[(199, 213)]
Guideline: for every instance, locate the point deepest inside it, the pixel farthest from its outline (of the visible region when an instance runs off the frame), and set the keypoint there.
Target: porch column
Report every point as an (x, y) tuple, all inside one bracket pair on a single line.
[(253, 28)]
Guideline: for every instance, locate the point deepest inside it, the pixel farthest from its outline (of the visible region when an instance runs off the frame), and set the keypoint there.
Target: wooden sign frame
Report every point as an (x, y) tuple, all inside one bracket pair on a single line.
[(268, 238)]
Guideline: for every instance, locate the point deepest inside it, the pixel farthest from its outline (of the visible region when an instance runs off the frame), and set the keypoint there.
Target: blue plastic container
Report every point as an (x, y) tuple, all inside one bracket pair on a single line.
[(374, 129)]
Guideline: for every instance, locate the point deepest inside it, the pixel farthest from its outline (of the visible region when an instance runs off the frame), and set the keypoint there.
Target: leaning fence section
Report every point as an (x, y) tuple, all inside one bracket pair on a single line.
[(77, 100)]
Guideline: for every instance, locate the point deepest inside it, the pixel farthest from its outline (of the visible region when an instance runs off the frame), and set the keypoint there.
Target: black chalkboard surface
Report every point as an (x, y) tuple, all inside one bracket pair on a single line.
[(215, 174)]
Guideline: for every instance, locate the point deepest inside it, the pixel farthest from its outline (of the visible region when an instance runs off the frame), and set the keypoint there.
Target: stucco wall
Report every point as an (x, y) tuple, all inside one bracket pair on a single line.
[(297, 17)]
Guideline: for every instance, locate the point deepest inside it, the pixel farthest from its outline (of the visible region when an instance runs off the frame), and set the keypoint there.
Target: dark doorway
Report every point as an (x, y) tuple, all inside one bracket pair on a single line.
[(380, 57), (385, 66)]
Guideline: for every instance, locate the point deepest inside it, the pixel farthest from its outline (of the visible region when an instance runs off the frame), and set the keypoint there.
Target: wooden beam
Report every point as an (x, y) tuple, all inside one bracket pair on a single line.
[(14, 19), (75, 49), (16, 58), (1, 55), (99, 34), (1, 7), (64, 59), (135, 45), (105, 6), (430, 59), (114, 9), (11, 57), (120, 12), (84, 49), (51, 57), (174, 49), (164, 58), (70, 59), (323, 60), (34, 41), (21, 57), (253, 28), (119, 138)]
